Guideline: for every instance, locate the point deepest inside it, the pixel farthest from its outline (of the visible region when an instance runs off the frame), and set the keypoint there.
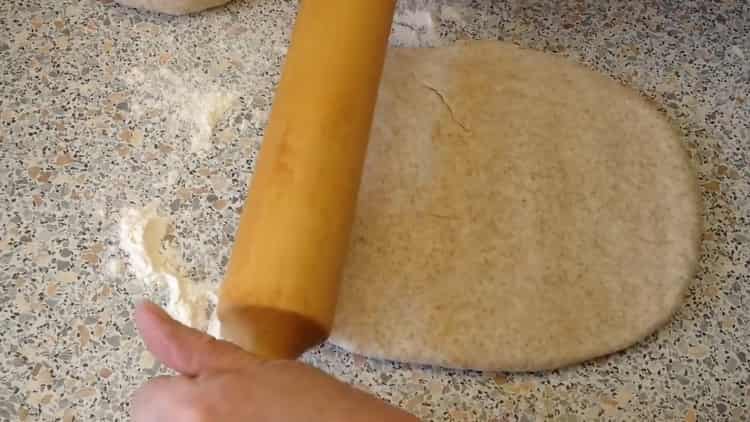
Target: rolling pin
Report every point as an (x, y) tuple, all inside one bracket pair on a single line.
[(280, 290)]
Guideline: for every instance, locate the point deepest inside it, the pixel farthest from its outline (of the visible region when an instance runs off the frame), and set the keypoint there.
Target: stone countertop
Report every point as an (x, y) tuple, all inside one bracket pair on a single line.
[(91, 105)]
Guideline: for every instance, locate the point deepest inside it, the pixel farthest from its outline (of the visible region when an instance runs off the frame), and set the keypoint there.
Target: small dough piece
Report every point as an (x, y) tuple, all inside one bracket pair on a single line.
[(518, 212), (173, 7)]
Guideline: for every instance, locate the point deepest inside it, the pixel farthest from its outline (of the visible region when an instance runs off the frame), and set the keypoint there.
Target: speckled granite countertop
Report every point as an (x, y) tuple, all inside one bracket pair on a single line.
[(85, 131)]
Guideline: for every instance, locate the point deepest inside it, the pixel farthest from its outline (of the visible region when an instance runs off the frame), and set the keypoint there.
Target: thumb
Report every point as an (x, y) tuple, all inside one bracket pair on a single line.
[(186, 350)]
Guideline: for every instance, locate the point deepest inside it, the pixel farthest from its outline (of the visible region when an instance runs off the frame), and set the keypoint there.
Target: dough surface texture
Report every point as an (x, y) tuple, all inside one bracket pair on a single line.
[(173, 7), (517, 212)]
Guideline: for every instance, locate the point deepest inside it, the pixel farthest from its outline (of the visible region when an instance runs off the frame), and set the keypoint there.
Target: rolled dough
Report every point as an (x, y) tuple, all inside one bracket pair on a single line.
[(173, 7), (517, 212)]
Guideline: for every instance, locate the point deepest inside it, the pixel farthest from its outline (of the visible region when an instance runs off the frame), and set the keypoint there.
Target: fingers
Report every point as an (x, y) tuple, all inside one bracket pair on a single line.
[(187, 351), (160, 399)]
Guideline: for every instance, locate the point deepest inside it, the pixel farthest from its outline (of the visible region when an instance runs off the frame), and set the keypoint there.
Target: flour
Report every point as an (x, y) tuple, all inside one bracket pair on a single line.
[(156, 263), (114, 267), (204, 110), (414, 28), (189, 103), (452, 14)]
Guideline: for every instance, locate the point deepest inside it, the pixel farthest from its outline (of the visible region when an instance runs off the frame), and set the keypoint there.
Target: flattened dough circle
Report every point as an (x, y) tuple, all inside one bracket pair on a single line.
[(517, 212)]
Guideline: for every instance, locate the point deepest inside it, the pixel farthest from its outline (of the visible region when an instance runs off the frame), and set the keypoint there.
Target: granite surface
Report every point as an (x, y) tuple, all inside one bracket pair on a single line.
[(93, 98)]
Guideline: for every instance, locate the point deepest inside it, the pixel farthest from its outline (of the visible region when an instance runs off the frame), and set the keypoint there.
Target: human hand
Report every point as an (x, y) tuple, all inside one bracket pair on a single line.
[(221, 382)]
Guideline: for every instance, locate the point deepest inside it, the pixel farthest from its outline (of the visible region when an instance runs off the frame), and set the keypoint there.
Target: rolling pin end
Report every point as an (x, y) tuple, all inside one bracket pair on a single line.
[(270, 333)]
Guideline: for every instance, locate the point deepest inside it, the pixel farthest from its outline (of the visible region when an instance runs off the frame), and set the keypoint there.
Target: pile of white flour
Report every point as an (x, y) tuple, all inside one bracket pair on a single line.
[(183, 99), (156, 261)]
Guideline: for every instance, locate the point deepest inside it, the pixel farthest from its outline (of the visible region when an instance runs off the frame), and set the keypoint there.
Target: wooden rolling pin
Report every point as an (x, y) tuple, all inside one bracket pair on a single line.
[(279, 295)]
